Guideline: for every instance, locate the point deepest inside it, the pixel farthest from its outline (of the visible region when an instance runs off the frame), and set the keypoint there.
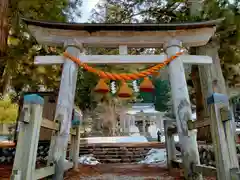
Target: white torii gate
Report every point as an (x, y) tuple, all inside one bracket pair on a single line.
[(170, 36)]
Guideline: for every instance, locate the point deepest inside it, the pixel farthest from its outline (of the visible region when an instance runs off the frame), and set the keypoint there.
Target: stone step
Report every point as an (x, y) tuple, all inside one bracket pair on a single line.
[(112, 152), (119, 160), (115, 155), (118, 152)]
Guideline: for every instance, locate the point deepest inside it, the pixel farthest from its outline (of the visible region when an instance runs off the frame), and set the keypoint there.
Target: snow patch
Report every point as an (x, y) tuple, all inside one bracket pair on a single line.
[(117, 139), (132, 139), (155, 156), (88, 159), (134, 130), (176, 138)]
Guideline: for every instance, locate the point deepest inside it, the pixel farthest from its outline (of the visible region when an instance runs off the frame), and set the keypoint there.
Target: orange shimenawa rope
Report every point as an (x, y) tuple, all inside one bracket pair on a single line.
[(122, 76)]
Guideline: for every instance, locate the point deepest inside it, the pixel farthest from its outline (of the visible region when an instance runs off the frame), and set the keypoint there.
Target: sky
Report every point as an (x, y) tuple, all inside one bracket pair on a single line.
[(87, 6)]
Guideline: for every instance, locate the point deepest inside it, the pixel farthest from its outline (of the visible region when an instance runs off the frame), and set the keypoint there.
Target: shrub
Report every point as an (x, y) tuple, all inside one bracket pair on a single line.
[(8, 111)]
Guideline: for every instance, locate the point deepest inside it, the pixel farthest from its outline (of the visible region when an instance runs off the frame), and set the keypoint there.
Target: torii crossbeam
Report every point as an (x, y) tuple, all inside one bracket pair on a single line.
[(169, 36), (123, 59)]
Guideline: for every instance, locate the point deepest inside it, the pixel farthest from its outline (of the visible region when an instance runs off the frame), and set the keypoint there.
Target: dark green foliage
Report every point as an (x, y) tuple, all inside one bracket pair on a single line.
[(84, 97), (160, 97), (145, 97)]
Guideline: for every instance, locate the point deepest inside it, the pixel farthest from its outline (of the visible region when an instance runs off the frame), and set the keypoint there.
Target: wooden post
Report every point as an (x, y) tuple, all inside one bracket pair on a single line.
[(72, 147), (169, 144), (218, 102), (123, 121), (212, 80), (195, 7), (161, 124), (182, 109), (127, 124), (76, 148), (26, 152), (144, 125), (64, 108)]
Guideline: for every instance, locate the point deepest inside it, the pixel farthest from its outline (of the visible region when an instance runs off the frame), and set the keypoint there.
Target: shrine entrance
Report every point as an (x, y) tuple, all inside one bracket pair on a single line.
[(171, 37)]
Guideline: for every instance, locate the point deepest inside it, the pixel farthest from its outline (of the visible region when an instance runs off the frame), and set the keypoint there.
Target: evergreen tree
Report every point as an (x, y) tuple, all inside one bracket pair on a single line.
[(160, 97), (17, 50)]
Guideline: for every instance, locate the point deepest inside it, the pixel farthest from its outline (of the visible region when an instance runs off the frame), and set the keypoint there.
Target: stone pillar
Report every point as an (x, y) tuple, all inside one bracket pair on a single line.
[(161, 123), (182, 110), (169, 144)]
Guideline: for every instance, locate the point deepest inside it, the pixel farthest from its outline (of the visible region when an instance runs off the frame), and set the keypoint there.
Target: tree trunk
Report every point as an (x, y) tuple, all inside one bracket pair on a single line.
[(201, 135), (6, 82), (3, 26), (198, 91), (4, 4), (195, 7), (1, 128), (209, 73)]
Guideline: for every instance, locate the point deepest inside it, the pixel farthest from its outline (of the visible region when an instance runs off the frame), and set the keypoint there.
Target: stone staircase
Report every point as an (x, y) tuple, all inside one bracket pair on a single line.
[(119, 152)]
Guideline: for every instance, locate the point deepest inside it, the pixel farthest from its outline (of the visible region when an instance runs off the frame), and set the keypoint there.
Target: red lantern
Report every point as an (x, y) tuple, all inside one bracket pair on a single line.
[(146, 85), (102, 87), (124, 91)]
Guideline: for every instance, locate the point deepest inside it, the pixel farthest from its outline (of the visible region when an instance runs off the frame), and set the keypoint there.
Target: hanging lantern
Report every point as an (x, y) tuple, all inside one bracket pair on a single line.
[(156, 74), (102, 87), (146, 85), (124, 91)]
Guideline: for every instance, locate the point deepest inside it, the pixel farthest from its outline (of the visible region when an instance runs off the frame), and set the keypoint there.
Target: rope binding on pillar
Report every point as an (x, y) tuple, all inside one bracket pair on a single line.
[(124, 91)]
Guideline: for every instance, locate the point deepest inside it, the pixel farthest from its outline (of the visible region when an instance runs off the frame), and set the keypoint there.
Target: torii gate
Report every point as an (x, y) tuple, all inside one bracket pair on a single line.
[(171, 37)]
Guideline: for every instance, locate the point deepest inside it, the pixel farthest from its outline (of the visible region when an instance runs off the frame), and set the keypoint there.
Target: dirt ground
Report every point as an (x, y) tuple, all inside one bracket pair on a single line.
[(124, 172), (113, 172), (5, 172)]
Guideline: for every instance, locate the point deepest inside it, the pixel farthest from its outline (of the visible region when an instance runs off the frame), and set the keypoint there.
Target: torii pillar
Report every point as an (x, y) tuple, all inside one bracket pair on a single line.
[(182, 109), (64, 108)]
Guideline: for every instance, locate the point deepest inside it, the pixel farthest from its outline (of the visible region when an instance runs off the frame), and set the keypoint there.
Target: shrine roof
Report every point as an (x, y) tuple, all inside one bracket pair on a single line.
[(93, 27)]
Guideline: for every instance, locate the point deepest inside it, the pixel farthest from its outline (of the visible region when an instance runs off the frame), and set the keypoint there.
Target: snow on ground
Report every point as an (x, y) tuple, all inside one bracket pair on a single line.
[(117, 139), (88, 159), (131, 139), (134, 138), (155, 156), (4, 139), (176, 138), (134, 130)]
